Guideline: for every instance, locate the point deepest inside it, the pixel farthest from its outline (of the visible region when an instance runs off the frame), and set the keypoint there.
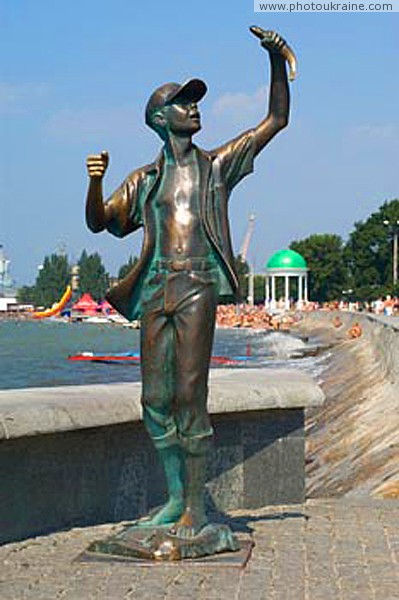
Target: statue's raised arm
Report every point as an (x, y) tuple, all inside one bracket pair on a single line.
[(279, 98)]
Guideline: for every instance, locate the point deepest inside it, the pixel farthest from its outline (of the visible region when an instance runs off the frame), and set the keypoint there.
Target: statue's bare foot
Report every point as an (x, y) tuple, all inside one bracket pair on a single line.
[(190, 523), (167, 514)]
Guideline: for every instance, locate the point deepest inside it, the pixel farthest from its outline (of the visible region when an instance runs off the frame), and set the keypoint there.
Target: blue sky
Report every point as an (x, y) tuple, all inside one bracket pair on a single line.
[(75, 77)]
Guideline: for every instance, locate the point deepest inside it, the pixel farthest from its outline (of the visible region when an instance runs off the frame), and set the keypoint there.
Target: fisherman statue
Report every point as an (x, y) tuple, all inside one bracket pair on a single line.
[(186, 264)]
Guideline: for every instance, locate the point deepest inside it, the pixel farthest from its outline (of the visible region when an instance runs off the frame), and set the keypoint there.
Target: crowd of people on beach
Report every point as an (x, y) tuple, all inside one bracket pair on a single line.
[(388, 306), (258, 317), (248, 316)]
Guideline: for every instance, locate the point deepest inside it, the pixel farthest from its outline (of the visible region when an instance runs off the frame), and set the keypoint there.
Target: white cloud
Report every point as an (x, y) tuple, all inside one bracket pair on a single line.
[(232, 113), (382, 132), (240, 105), (88, 123), (18, 98)]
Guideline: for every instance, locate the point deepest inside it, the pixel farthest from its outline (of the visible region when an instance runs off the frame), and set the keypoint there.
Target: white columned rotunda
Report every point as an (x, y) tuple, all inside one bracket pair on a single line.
[(288, 265)]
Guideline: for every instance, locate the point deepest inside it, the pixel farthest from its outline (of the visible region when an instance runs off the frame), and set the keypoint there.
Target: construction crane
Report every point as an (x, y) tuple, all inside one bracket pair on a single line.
[(247, 237), (243, 255)]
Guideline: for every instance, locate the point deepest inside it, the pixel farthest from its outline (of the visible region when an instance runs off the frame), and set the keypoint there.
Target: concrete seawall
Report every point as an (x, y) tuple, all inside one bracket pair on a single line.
[(79, 455), (352, 445)]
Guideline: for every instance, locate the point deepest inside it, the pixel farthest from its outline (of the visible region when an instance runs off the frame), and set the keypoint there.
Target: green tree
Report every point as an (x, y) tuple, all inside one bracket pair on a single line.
[(53, 278), (259, 289), (242, 270), (26, 294), (328, 274), (127, 267), (368, 253), (93, 278)]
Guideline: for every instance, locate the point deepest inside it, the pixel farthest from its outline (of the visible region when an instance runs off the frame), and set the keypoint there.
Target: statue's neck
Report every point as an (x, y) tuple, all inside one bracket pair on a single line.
[(179, 150)]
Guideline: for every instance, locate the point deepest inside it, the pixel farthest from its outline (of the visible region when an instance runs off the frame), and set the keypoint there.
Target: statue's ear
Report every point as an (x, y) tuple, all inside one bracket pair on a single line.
[(159, 119)]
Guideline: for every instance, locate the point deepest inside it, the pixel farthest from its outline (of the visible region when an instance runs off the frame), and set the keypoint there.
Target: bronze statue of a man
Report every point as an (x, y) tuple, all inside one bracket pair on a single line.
[(186, 263)]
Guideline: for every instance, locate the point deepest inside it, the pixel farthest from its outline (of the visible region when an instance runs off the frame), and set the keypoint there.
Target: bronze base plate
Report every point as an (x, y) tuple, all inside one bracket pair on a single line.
[(137, 545)]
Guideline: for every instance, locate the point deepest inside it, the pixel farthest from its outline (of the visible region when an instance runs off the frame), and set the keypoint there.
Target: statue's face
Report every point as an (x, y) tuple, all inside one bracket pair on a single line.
[(182, 118)]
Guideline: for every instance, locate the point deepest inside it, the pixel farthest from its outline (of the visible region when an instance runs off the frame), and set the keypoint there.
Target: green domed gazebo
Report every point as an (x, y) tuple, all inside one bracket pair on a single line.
[(287, 264)]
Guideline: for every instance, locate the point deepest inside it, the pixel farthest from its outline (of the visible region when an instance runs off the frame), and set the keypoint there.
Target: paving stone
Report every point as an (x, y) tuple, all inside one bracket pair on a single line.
[(328, 557)]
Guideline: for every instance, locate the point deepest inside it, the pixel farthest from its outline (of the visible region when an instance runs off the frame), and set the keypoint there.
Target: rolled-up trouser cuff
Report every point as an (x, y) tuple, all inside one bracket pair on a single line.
[(197, 444), (167, 440)]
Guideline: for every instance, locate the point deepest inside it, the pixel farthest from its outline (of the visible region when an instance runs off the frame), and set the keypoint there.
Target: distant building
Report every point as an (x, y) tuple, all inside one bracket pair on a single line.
[(286, 265), (8, 292)]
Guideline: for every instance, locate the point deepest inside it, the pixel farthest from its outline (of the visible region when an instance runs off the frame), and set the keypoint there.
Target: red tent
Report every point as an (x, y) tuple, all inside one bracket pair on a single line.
[(86, 305), (106, 308)]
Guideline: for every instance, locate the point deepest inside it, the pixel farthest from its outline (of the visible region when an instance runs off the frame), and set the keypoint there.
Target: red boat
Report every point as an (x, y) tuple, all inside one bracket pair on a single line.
[(133, 358)]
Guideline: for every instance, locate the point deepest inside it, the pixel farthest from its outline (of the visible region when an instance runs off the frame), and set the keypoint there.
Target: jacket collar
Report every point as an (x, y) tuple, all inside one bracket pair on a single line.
[(156, 166)]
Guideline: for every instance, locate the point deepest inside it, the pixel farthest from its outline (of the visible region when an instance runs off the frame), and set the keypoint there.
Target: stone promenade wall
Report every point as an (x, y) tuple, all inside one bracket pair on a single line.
[(382, 333), (79, 455), (353, 439)]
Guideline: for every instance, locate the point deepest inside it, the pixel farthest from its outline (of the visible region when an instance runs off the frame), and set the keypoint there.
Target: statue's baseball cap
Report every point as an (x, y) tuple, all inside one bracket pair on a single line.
[(192, 91)]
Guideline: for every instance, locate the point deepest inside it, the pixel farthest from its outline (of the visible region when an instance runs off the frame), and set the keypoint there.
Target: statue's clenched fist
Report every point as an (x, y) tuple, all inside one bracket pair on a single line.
[(97, 164)]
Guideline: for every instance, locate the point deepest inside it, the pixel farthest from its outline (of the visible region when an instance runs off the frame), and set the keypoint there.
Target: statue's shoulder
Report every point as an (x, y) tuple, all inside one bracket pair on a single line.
[(233, 146), (146, 170), (204, 153)]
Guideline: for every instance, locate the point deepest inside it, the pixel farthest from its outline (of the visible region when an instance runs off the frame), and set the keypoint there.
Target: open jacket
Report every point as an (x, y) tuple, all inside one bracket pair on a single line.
[(130, 208)]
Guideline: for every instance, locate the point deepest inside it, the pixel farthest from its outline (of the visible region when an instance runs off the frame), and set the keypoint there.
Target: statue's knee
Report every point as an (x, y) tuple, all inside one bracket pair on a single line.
[(157, 399), (191, 392)]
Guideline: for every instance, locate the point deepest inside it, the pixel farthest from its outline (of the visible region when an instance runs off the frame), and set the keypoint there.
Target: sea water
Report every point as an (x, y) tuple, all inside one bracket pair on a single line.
[(35, 353)]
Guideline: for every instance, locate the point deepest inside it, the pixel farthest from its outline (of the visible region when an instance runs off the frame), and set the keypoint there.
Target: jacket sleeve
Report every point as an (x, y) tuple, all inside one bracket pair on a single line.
[(122, 208), (235, 159)]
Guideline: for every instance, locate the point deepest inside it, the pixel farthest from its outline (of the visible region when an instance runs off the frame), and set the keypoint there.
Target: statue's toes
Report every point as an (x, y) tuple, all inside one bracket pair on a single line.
[(184, 532)]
